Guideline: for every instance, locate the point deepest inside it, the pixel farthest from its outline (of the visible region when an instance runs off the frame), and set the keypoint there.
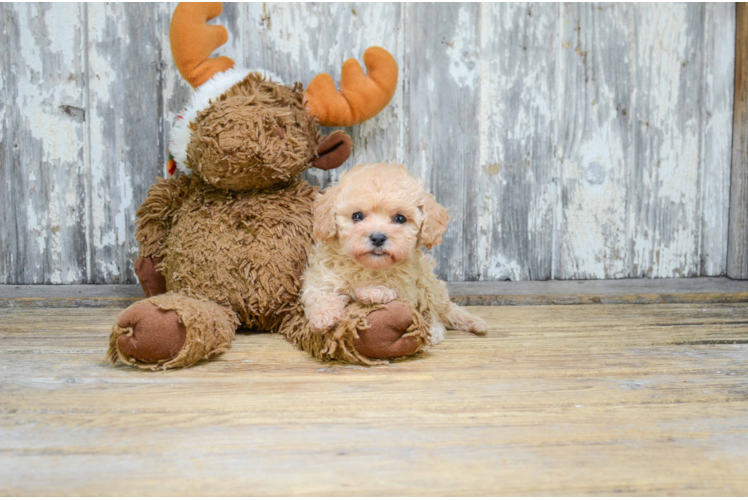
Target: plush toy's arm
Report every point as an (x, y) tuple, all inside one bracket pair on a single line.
[(155, 217), (156, 213)]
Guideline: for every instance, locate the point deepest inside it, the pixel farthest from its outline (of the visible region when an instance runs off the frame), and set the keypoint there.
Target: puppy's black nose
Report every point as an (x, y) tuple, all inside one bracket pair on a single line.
[(378, 239)]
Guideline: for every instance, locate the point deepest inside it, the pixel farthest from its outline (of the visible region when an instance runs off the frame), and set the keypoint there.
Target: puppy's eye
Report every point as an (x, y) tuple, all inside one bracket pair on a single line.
[(400, 219), (357, 217)]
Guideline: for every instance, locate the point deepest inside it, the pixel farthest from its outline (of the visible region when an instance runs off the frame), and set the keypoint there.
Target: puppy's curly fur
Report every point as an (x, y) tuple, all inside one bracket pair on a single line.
[(369, 230)]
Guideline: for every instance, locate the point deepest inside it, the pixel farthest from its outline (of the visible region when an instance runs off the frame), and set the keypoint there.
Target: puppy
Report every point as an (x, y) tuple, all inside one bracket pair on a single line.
[(369, 230)]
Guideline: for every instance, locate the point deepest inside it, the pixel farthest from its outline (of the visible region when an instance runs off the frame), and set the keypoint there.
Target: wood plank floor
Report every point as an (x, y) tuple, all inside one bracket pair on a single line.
[(572, 400)]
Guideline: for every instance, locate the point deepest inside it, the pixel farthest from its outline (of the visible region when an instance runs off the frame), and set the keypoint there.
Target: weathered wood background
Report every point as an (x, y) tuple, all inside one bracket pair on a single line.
[(568, 141)]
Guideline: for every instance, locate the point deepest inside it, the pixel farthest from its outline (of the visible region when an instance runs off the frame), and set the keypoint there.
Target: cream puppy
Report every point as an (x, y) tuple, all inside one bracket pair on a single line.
[(369, 230)]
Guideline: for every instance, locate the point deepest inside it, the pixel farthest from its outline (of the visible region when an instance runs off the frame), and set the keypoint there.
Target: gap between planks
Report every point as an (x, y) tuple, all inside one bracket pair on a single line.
[(483, 293)]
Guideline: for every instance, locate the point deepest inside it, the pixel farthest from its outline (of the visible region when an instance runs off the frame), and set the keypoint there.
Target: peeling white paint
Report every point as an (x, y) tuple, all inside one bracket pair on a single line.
[(515, 124), (464, 59), (38, 98), (101, 92), (49, 135), (56, 278), (73, 276), (109, 267), (503, 269), (126, 202), (670, 146), (719, 54)]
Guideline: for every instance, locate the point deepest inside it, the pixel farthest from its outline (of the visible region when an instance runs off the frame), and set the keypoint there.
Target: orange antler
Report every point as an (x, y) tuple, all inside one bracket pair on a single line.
[(360, 96), (192, 41)]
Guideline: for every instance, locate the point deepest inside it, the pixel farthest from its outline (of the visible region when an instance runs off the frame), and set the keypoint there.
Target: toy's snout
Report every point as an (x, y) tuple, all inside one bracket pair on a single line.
[(333, 151)]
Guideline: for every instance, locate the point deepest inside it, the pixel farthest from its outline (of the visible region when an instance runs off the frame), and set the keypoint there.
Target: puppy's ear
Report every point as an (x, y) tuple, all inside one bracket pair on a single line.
[(324, 215), (434, 222)]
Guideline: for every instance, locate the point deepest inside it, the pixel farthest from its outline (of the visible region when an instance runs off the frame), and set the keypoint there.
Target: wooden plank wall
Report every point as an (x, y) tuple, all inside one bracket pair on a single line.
[(737, 254), (569, 141)]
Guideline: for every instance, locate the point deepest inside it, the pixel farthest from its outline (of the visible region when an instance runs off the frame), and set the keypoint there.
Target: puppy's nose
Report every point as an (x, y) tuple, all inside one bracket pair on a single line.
[(378, 239)]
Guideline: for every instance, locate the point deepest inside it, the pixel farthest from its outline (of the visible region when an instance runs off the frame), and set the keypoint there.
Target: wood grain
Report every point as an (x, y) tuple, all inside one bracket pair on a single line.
[(43, 238), (716, 145), (737, 261), (596, 85), (667, 125), (572, 400), (568, 140), (646, 121), (511, 189), (8, 234), (124, 119), (442, 67)]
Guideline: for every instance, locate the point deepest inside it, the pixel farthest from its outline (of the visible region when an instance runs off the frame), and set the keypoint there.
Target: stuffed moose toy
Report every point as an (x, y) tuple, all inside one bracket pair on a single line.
[(224, 244)]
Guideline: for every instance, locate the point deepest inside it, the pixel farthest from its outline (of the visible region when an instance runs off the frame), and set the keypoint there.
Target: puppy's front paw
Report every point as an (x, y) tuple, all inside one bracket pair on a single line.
[(437, 333), (375, 295), (323, 321)]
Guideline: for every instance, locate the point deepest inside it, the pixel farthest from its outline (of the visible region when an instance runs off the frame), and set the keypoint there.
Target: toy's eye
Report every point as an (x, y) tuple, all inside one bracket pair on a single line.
[(357, 217), (400, 219)]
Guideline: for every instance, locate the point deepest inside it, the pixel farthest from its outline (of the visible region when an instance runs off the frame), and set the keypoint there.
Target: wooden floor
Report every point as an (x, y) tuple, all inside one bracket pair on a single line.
[(572, 400)]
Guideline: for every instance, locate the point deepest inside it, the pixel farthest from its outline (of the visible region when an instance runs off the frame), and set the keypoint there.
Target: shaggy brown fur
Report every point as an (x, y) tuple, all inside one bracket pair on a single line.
[(256, 135), (235, 235), (245, 250)]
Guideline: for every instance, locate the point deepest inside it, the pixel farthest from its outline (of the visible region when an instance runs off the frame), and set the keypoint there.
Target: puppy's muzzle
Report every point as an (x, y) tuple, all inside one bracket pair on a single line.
[(378, 239)]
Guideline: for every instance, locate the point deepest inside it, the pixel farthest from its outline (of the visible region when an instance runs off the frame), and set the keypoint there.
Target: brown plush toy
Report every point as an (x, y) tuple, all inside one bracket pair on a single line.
[(224, 244)]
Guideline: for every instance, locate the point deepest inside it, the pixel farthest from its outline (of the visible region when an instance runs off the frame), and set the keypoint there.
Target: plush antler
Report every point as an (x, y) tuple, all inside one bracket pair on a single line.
[(192, 41), (360, 96)]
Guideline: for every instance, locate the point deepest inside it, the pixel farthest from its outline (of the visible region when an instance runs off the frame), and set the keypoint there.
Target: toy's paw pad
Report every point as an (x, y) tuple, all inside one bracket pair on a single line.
[(156, 334), (375, 295), (384, 339)]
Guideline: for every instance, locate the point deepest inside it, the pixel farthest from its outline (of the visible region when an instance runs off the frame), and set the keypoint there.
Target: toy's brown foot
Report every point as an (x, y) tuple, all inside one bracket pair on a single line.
[(385, 338), (367, 334), (171, 331), (156, 335)]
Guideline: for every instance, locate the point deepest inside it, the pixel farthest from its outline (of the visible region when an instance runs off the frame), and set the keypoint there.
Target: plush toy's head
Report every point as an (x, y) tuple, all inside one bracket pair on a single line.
[(245, 130)]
